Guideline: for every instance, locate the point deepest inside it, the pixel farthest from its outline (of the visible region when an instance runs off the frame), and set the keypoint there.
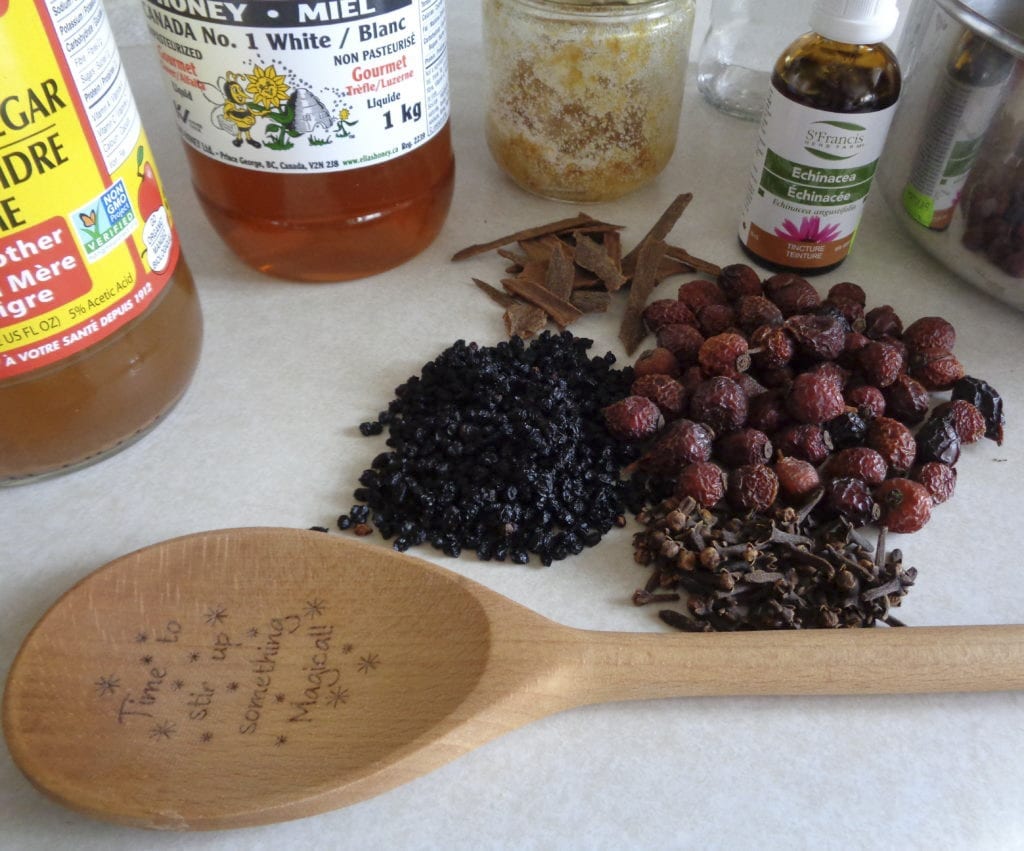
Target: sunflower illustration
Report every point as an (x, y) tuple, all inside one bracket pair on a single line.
[(267, 87)]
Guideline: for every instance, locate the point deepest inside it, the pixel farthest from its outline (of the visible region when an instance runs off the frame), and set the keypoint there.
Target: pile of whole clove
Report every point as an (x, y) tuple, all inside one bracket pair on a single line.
[(763, 571)]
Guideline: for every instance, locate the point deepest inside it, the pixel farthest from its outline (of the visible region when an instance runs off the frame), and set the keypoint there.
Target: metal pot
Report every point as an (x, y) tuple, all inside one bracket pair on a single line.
[(953, 168)]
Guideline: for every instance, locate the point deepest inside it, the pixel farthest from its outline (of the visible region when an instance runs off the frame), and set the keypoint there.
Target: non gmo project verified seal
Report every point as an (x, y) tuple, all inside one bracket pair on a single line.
[(105, 221)]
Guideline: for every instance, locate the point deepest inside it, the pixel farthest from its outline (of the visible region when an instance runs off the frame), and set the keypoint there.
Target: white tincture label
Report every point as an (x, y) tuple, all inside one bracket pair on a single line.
[(812, 173), (327, 85)]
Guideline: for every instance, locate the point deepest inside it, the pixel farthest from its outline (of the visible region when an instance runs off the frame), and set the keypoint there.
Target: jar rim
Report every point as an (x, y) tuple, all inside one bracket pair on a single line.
[(602, 7)]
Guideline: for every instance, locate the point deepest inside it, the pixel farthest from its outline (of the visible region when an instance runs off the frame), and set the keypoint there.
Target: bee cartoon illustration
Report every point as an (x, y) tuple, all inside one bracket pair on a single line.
[(237, 113)]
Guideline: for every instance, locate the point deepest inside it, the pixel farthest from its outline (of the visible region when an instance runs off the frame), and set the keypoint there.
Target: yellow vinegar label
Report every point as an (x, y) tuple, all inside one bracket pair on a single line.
[(86, 241)]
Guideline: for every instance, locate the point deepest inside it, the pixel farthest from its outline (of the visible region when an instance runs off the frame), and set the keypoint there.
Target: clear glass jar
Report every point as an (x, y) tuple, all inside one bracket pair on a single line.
[(584, 97)]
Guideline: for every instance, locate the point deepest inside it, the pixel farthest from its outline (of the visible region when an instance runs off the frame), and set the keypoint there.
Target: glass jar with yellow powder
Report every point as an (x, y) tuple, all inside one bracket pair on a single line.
[(584, 97)]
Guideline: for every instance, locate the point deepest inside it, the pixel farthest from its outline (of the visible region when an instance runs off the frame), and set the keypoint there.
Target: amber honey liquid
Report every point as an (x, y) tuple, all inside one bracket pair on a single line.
[(332, 226), (80, 410)]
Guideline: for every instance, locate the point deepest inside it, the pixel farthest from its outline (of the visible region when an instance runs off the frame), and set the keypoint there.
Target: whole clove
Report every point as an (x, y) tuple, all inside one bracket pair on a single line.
[(782, 570)]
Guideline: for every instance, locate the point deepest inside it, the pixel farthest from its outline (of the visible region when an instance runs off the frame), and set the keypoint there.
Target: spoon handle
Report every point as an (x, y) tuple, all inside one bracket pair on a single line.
[(618, 666)]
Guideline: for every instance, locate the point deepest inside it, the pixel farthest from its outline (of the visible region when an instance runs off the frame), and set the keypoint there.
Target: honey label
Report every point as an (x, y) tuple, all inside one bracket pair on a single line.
[(813, 171), (325, 85), (86, 242)]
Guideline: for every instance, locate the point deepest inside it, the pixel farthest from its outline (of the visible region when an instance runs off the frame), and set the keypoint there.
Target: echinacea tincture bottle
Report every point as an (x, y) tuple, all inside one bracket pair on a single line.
[(832, 98)]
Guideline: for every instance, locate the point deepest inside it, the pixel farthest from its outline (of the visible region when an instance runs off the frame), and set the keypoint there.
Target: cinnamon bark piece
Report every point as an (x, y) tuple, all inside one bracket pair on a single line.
[(561, 226), (658, 232), (593, 256), (632, 330), (560, 310)]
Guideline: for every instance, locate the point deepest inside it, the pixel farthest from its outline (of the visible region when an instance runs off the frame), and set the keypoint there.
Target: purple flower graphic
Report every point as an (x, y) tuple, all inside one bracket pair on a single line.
[(809, 230)]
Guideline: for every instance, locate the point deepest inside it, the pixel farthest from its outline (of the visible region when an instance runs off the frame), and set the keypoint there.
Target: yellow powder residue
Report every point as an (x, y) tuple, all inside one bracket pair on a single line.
[(584, 111)]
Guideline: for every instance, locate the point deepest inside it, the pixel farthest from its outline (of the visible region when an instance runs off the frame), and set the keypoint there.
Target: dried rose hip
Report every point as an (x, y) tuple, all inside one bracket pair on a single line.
[(704, 482), (881, 362), (767, 412), (752, 487), (967, 420), (633, 418), (815, 398), (684, 341), (667, 393), (936, 369), (699, 293), (792, 293), (682, 442), (738, 280), (868, 400), (745, 446), (930, 332), (937, 440), (773, 347), (882, 321), (939, 478), (818, 336), (851, 498), (753, 311), (667, 311), (858, 462), (809, 442), (847, 291), (984, 397), (715, 319), (724, 354), (906, 505), (848, 429), (720, 403), (907, 399), (657, 361), (894, 442), (798, 479)]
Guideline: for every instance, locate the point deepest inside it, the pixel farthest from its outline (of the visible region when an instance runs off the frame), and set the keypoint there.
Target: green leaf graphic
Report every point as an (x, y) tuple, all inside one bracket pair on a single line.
[(822, 155), (842, 125)]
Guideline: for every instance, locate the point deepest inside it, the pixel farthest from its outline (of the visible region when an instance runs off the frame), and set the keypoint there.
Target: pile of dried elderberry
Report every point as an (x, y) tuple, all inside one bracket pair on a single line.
[(500, 450), (763, 403)]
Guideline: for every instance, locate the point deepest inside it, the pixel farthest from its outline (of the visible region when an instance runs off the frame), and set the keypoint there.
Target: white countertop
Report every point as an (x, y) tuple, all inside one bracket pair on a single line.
[(267, 435)]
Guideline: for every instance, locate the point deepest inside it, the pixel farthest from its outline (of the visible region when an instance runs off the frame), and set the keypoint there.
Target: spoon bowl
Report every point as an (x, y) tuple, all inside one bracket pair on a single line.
[(248, 676)]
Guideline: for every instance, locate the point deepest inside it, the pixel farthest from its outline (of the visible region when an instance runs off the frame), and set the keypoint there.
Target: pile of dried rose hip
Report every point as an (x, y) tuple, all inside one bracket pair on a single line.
[(763, 400)]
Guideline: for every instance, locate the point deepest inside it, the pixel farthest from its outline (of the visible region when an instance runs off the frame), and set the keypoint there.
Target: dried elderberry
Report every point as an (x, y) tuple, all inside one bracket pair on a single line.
[(501, 450)]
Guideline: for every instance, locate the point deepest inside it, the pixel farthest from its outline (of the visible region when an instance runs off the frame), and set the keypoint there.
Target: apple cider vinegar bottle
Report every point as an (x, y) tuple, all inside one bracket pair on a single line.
[(100, 326), (317, 132)]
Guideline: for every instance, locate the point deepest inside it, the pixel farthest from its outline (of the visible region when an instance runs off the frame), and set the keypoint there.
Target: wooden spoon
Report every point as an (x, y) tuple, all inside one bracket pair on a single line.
[(248, 676)]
